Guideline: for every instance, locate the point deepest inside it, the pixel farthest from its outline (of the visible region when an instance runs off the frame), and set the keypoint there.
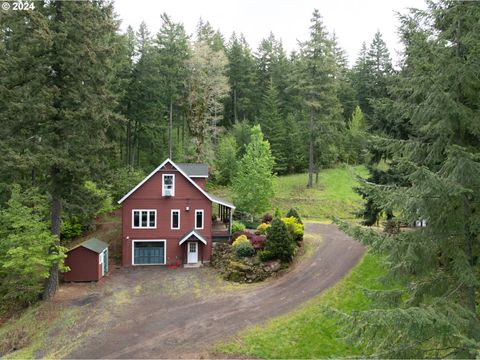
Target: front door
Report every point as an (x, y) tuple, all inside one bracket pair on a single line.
[(192, 252)]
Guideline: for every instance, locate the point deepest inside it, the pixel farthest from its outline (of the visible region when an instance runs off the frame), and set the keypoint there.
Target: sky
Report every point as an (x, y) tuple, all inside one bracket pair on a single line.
[(353, 21)]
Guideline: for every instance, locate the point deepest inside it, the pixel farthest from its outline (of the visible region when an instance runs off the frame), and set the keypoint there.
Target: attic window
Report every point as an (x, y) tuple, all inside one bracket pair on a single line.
[(168, 182)]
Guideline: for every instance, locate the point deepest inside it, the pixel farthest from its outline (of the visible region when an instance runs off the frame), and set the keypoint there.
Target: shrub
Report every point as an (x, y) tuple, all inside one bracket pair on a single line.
[(293, 212), (258, 242), (267, 218), (262, 228), (279, 243), (237, 226), (265, 255), (244, 249), (70, 230), (294, 228), (248, 234), (242, 239)]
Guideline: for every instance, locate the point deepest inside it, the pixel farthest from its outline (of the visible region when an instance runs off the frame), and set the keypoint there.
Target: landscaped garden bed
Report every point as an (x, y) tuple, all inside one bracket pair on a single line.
[(255, 255)]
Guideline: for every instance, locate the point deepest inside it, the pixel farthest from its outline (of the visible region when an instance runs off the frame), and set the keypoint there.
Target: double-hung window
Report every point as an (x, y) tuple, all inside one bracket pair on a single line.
[(175, 222), (168, 185), (198, 219), (144, 219)]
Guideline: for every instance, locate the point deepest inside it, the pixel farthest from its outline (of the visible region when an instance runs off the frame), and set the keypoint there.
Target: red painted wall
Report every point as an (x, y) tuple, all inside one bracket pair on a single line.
[(200, 182), (84, 265), (149, 196)]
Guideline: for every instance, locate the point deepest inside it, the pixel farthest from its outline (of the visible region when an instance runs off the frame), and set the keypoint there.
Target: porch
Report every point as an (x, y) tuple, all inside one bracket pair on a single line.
[(222, 221)]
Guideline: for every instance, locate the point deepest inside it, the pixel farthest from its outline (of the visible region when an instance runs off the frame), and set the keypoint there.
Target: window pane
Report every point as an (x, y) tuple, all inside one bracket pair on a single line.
[(168, 181), (136, 219), (152, 218), (199, 219), (193, 247), (175, 219), (144, 218)]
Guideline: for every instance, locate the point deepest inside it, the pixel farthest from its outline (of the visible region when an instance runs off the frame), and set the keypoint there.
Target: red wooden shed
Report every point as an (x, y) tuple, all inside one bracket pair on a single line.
[(87, 261)]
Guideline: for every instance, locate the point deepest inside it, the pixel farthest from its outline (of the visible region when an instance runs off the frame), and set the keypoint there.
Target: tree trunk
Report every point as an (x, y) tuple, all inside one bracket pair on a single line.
[(170, 131), (310, 153), (235, 116), (51, 284), (317, 170)]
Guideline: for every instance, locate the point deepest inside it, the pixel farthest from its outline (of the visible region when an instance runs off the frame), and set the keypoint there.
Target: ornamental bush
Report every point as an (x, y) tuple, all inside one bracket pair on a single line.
[(244, 249), (258, 242), (242, 239), (248, 234), (295, 229), (237, 226), (279, 242), (293, 212), (263, 227)]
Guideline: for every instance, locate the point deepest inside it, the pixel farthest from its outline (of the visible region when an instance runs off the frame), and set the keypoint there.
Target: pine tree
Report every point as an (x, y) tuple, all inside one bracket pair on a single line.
[(279, 244)]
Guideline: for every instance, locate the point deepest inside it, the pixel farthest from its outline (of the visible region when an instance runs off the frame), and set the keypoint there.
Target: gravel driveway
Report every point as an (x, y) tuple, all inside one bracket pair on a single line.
[(163, 313)]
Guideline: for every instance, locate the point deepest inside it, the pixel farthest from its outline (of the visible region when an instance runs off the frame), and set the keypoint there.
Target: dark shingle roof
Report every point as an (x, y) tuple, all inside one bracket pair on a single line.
[(195, 170), (92, 244)]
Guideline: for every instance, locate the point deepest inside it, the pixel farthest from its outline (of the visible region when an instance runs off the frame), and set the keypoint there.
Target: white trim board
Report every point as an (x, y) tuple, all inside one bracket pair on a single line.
[(150, 240), (171, 219), (140, 219), (197, 235), (181, 172), (203, 219)]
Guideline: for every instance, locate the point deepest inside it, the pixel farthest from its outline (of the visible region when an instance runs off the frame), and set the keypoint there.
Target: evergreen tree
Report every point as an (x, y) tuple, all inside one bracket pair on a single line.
[(253, 183), (173, 52), (279, 244), (319, 87), (64, 98), (242, 77), (437, 315), (226, 160)]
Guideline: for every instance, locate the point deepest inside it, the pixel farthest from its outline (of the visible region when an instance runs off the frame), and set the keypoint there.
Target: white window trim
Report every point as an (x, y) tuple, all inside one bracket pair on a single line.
[(173, 183), (171, 219), (203, 219), (150, 240), (148, 219)]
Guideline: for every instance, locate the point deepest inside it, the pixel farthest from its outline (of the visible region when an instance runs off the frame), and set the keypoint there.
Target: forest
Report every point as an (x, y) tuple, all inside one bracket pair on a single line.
[(87, 111)]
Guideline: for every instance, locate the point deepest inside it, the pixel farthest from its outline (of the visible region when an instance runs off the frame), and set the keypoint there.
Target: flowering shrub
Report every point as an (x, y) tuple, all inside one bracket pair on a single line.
[(262, 228), (267, 218), (293, 212), (248, 234), (244, 249), (295, 229), (242, 239), (237, 226), (258, 242)]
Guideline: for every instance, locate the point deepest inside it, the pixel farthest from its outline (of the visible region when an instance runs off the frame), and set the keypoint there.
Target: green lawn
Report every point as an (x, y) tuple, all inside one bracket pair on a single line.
[(309, 332), (333, 195)]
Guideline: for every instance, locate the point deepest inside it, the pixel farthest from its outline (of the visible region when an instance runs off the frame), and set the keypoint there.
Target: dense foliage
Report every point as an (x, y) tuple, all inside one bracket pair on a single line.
[(279, 244)]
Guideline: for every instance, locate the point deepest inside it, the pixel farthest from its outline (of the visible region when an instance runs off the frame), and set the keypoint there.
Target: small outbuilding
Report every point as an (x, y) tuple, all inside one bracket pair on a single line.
[(88, 261)]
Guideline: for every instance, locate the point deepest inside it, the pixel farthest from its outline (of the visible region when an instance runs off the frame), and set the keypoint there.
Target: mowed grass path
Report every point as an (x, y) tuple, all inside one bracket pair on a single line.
[(311, 331)]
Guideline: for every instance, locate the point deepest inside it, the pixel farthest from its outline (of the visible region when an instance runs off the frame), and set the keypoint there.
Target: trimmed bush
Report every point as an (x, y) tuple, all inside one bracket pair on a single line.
[(248, 234), (237, 226), (267, 218), (242, 239), (262, 228), (265, 255), (244, 249), (279, 243), (295, 229), (258, 242), (293, 212)]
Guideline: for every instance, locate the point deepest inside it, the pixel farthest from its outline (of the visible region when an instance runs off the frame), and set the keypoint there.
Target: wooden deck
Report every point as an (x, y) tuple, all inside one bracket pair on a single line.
[(220, 230)]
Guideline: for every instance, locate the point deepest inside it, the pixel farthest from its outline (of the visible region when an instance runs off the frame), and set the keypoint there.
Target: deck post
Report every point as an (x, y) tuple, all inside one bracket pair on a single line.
[(230, 223)]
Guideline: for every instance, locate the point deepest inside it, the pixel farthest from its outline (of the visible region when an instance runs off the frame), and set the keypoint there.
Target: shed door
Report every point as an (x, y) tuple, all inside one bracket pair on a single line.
[(148, 252), (105, 262)]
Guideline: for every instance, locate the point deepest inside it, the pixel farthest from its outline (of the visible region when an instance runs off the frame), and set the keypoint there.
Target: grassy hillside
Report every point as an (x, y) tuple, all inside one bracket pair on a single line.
[(333, 195), (309, 332)]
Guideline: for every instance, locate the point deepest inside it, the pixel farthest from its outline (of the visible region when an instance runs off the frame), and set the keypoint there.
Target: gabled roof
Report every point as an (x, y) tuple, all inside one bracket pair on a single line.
[(92, 244), (212, 198), (195, 170), (189, 236)]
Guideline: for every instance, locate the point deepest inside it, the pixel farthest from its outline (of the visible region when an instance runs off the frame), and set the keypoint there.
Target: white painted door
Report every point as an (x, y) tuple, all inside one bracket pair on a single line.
[(192, 253)]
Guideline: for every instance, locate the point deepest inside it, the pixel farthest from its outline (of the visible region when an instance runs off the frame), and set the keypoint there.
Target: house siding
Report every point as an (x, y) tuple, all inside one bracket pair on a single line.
[(149, 196), (84, 265)]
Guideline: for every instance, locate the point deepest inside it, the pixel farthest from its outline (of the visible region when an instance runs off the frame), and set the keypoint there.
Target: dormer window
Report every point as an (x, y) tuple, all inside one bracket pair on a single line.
[(168, 188)]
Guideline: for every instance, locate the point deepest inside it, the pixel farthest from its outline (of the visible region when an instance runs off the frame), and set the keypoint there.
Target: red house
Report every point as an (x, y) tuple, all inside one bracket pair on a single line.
[(167, 218)]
